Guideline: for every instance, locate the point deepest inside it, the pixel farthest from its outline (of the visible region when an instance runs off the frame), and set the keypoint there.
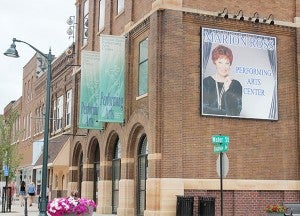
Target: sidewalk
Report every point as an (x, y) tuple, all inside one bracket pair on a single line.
[(17, 210)]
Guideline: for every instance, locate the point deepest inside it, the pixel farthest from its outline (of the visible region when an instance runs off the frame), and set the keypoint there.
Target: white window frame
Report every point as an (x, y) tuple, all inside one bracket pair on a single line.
[(54, 116), (69, 107), (84, 21), (141, 62), (60, 111), (120, 6), (101, 15), (29, 124)]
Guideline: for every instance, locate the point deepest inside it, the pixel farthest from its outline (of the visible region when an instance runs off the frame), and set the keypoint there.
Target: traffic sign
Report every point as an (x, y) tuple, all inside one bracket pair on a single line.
[(225, 165), (221, 148), (6, 170), (218, 139)]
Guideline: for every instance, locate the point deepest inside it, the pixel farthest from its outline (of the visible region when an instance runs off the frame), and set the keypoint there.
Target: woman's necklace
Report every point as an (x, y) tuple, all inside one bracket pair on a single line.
[(219, 94)]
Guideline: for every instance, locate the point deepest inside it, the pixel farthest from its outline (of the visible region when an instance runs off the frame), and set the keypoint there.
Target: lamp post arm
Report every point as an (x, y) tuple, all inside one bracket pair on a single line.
[(48, 56)]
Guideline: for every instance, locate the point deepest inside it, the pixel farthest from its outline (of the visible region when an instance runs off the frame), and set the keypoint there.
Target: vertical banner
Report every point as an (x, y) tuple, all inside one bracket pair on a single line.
[(239, 74), (89, 91), (112, 63)]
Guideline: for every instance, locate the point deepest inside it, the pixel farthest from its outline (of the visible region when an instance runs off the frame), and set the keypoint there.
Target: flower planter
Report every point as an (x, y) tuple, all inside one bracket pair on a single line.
[(85, 214), (70, 206), (275, 210), (89, 213), (275, 214)]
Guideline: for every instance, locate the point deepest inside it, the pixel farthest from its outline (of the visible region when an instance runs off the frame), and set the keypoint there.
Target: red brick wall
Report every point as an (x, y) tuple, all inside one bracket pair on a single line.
[(264, 8), (244, 203), (257, 149)]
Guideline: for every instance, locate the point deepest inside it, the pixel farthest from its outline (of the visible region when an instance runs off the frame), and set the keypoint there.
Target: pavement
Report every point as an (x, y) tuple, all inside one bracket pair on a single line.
[(17, 210)]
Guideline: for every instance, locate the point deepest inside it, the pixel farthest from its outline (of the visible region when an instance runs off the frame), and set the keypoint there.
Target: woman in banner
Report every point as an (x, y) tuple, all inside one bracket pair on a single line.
[(222, 95)]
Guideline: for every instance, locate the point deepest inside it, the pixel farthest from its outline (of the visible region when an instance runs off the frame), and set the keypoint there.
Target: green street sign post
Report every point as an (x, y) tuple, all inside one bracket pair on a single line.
[(218, 139), (221, 148), (220, 145)]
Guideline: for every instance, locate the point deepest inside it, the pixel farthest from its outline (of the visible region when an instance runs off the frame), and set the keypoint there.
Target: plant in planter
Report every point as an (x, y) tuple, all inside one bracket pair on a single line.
[(70, 206), (275, 209)]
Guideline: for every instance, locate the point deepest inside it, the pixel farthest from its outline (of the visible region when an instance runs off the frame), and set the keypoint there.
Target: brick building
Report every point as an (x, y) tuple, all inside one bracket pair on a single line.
[(163, 148)]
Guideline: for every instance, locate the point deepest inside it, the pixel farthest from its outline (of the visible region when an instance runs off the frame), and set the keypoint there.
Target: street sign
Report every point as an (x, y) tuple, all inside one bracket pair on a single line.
[(218, 139), (225, 165), (221, 148), (6, 170)]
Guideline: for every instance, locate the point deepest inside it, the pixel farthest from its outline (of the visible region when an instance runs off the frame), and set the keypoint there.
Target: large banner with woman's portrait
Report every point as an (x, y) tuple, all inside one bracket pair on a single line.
[(239, 75)]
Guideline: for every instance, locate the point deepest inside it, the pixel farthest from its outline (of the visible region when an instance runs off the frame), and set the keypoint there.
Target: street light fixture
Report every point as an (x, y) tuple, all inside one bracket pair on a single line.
[(12, 52)]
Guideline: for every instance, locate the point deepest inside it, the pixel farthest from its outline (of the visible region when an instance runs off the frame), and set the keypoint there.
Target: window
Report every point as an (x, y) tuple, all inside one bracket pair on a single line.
[(116, 176), (25, 91), (57, 113), (19, 126), (143, 67), (120, 6), (101, 14), (24, 128), (43, 119), (142, 175), (54, 116), (68, 107), (28, 91), (31, 83), (36, 121), (29, 125), (39, 176), (60, 111), (85, 22), (16, 129), (40, 119), (96, 170)]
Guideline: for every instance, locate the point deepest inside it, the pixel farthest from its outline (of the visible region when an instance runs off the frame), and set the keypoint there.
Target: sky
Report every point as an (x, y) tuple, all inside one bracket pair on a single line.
[(41, 23)]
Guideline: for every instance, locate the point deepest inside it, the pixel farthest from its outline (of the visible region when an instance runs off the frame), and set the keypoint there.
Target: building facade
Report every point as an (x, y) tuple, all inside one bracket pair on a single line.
[(164, 148)]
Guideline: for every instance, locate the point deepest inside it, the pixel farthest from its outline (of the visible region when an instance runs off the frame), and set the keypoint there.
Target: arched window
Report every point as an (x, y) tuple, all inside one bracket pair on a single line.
[(142, 175), (80, 177), (96, 172), (116, 172)]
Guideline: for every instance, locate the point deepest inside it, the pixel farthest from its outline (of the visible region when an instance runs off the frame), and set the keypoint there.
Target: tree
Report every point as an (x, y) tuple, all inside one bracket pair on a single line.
[(9, 154)]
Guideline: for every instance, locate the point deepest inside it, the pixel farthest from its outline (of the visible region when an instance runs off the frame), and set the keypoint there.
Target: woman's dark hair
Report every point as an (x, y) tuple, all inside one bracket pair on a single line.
[(222, 51)]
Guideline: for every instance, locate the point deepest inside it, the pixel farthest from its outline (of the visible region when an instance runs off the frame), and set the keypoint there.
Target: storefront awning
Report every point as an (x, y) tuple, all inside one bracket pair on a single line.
[(58, 152)]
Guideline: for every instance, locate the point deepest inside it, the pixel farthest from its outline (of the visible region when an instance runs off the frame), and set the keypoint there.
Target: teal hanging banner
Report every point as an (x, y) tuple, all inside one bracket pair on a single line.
[(112, 63), (89, 91)]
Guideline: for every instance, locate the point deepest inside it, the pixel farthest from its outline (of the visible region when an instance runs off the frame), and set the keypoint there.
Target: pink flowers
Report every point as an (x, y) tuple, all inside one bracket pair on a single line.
[(77, 206)]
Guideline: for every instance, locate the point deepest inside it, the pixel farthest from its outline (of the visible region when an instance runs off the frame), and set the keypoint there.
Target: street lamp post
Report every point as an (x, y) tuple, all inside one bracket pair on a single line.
[(12, 52)]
